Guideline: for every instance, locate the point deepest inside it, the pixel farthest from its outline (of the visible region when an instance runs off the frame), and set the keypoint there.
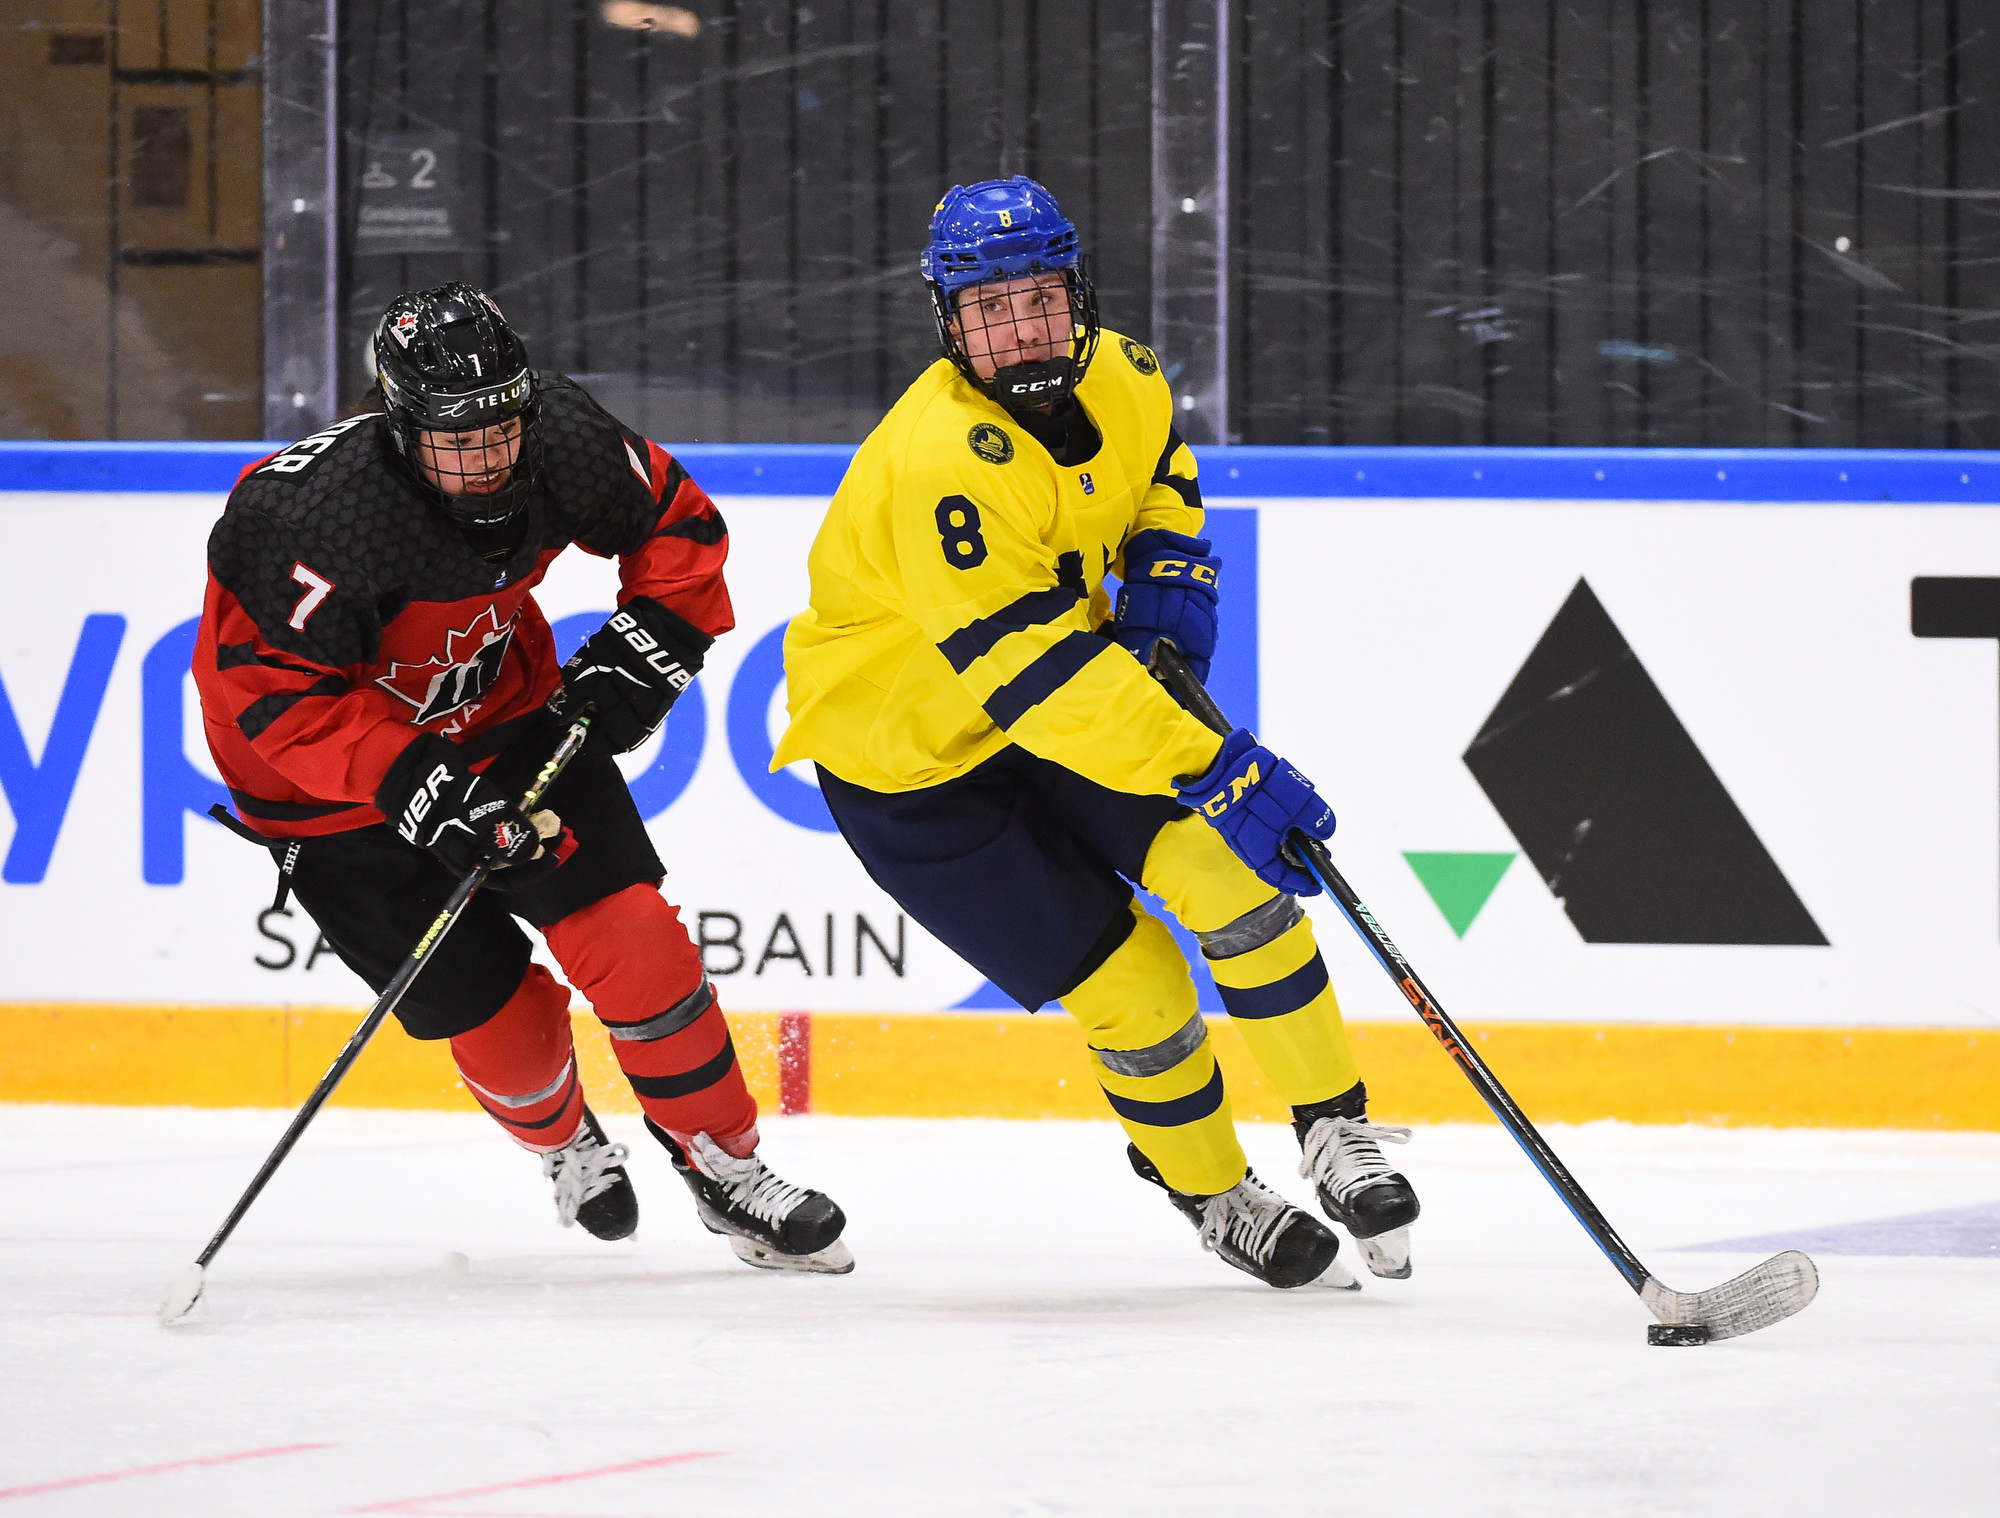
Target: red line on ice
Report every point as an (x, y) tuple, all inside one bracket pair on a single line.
[(412, 1504), (155, 1470)]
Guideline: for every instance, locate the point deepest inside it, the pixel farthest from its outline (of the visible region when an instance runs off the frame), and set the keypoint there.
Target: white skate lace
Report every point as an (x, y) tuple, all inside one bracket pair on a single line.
[(1249, 1215), (748, 1182), (581, 1172), (1341, 1154)]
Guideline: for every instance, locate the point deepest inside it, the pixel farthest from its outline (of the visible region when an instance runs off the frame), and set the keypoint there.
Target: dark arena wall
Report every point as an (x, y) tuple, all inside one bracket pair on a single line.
[(1680, 222)]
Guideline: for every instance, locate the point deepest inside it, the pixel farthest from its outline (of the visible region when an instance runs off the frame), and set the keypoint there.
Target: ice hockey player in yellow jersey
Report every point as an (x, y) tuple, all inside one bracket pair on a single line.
[(991, 743)]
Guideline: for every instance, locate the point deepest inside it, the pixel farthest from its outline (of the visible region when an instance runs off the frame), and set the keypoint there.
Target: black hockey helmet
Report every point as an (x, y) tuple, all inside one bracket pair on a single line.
[(448, 364)]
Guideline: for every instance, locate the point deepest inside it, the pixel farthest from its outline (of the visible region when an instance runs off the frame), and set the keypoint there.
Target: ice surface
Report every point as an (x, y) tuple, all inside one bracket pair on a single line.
[(401, 1327)]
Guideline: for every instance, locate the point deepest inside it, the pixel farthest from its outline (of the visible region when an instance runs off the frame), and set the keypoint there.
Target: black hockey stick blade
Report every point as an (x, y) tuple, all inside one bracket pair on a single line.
[(187, 1286), (1768, 1294)]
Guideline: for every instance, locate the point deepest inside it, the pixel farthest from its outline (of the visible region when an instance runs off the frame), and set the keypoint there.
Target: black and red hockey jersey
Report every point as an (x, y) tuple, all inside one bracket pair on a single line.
[(345, 613)]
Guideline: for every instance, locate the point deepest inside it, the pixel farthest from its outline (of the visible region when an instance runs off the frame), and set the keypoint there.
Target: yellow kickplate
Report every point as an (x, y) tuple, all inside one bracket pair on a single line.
[(979, 1064), (149, 1055)]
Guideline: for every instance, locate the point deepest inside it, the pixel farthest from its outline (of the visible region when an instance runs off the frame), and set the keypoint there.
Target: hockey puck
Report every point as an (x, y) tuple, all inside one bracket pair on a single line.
[(1674, 1334)]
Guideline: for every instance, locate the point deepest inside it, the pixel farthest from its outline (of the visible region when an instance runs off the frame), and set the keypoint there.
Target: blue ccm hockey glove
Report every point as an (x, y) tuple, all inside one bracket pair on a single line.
[(1253, 799), (1169, 592)]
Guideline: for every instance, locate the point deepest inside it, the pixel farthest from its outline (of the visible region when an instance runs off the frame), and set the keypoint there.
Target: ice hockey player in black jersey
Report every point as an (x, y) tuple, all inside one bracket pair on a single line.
[(378, 686), (995, 751)]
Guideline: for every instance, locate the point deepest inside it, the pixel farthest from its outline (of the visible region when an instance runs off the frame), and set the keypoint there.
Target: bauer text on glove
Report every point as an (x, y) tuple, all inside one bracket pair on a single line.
[(433, 800), (1255, 799), (632, 670)]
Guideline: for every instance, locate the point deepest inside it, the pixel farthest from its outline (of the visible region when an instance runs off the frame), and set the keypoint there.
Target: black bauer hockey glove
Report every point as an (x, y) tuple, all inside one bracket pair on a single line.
[(432, 799), (633, 669)]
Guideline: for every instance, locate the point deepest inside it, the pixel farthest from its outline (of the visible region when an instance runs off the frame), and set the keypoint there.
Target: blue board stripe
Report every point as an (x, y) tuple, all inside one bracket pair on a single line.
[(1607, 474), (1969, 477)]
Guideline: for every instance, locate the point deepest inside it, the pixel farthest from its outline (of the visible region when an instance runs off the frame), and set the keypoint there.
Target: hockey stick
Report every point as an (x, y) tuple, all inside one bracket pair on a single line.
[(186, 1288), (1756, 1299)]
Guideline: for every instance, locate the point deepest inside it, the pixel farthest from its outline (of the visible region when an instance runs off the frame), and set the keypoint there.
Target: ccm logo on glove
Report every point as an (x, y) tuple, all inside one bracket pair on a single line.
[(1255, 800), (1223, 800), (1170, 594), (1183, 569)]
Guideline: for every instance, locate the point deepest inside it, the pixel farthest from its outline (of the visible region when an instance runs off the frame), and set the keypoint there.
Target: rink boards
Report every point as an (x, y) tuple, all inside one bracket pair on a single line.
[(1767, 804)]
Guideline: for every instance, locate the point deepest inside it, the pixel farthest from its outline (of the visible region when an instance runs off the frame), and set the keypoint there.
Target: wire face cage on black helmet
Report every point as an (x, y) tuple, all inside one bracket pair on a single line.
[(999, 253), (461, 401)]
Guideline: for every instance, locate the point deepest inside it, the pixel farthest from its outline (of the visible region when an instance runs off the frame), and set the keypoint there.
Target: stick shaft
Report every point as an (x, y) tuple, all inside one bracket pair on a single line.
[(392, 994), (1180, 680)]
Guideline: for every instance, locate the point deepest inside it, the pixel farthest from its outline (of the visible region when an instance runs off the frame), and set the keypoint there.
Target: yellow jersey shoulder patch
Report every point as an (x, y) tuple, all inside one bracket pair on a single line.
[(1141, 356), (991, 443)]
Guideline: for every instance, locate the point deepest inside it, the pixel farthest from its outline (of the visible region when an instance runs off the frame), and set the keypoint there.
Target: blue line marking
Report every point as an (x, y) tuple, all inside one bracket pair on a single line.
[(1965, 1233)]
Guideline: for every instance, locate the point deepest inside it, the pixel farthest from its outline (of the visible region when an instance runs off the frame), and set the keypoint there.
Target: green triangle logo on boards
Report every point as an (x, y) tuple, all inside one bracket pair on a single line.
[(1460, 884)]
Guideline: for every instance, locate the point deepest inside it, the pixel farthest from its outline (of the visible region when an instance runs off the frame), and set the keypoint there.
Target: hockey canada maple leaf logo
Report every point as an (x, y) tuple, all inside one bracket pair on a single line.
[(460, 676)]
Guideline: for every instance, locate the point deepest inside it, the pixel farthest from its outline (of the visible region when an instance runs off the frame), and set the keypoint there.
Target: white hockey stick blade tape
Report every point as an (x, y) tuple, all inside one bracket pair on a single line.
[(1767, 1294), (182, 1295)]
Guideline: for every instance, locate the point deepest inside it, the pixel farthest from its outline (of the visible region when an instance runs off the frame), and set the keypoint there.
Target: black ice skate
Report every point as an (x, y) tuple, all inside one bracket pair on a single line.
[(1357, 1189), (1253, 1228), (591, 1185), (769, 1223)]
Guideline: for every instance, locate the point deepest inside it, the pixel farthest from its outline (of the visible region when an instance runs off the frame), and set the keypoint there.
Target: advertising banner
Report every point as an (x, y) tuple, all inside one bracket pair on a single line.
[(1621, 762)]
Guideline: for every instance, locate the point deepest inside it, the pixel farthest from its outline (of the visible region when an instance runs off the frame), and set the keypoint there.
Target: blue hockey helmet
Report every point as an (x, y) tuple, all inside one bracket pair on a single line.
[(1002, 229)]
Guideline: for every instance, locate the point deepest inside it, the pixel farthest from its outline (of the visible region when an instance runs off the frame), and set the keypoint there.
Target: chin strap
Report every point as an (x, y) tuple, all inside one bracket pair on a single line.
[(1051, 381)]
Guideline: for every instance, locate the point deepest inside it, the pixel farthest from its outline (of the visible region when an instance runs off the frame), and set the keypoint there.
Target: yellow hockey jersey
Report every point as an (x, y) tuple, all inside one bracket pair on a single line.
[(957, 585)]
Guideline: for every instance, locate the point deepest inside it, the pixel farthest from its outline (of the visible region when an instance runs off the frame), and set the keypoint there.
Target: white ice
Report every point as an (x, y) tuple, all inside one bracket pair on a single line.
[(401, 1328)]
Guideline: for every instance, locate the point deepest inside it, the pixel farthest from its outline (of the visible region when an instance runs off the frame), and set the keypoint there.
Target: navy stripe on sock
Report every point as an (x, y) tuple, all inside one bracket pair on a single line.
[(1280, 996), (1180, 1111)]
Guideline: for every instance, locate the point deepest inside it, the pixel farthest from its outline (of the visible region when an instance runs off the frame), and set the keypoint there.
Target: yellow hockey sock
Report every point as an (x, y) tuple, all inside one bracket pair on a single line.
[(1260, 948), (1153, 1058)]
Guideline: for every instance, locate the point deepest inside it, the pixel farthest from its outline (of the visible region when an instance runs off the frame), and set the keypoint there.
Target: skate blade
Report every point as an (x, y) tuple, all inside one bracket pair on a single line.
[(1338, 1277), (1387, 1254), (834, 1260), (182, 1295)]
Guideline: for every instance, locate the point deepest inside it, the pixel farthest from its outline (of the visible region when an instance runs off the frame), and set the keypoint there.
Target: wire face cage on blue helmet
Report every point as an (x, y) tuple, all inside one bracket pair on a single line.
[(461, 400), (992, 234)]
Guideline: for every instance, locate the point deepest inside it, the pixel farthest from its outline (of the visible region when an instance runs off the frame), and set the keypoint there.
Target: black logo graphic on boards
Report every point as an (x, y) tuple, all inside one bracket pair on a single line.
[(1949, 607), (1615, 805), (1942, 607)]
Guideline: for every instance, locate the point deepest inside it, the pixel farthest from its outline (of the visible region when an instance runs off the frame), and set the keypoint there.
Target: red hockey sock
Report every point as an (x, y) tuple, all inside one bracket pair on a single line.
[(630, 955), (520, 1064)]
